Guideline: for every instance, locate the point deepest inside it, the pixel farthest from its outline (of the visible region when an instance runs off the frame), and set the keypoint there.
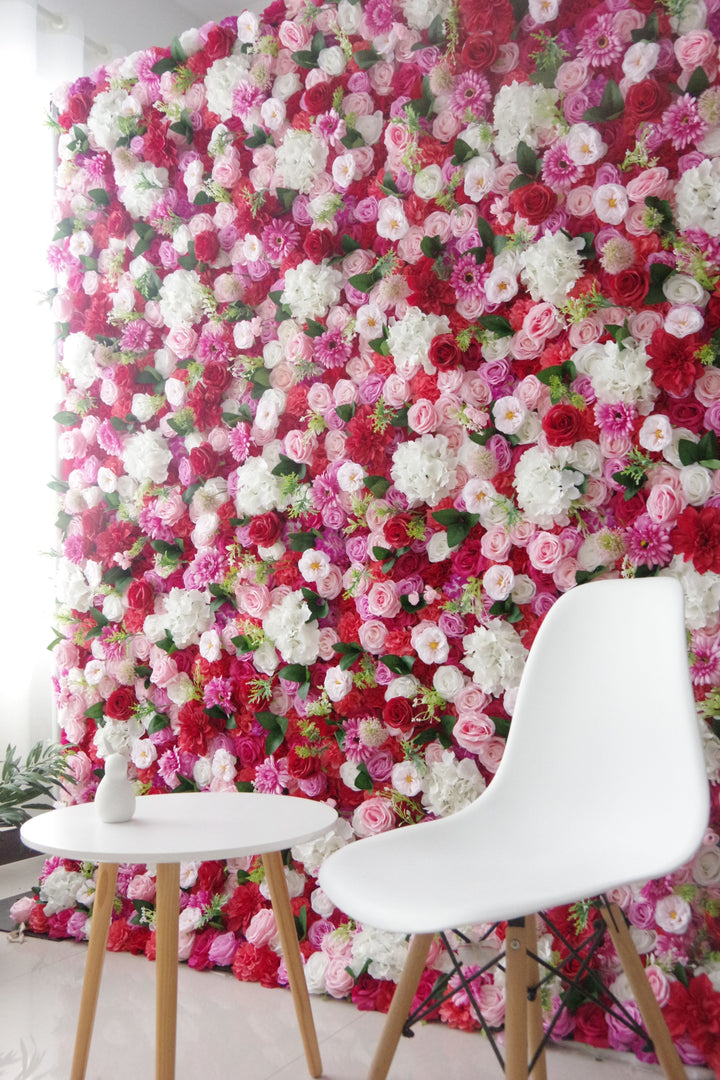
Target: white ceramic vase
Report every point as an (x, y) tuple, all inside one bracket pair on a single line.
[(115, 796)]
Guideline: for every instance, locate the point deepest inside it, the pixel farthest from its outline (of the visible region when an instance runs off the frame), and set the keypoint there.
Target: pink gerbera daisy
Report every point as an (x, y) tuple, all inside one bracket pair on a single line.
[(279, 238), (705, 668), (466, 278), (615, 419), (331, 350), (682, 123), (472, 91), (558, 171), (239, 442), (602, 45), (648, 544)]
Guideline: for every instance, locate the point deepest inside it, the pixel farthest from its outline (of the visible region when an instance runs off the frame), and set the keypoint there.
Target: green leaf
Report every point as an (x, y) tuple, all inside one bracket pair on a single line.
[(363, 780), (184, 127), (99, 196), (318, 606), (527, 160), (463, 152), (258, 138), (203, 198), (582, 577), (348, 244), (520, 181), (165, 64), (366, 58), (67, 419), (95, 712), (698, 83), (296, 673), (244, 786), (497, 325), (411, 608), (286, 197), (377, 485), (352, 139), (457, 533), (648, 32), (158, 722), (243, 644), (302, 541), (172, 550), (687, 451), (400, 419), (59, 485), (346, 412), (305, 59), (611, 106), (177, 52), (399, 665), (314, 329), (436, 31), (301, 923), (276, 727), (364, 282), (188, 262), (65, 228), (287, 467), (88, 262), (431, 246)]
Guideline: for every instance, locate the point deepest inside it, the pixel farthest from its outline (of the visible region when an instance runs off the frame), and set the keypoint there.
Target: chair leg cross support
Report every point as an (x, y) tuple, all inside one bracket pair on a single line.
[(524, 1030)]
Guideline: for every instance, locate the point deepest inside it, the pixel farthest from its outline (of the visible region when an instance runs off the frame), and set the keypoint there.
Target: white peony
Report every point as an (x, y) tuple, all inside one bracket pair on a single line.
[(698, 197), (188, 614), (702, 592), (146, 456), (450, 785), (382, 953), (420, 13), (78, 359), (495, 655), (104, 118), (140, 188), (181, 298), (311, 289), (60, 889), (287, 626), (551, 266), (409, 340), (71, 586), (546, 488), (299, 160), (425, 470)]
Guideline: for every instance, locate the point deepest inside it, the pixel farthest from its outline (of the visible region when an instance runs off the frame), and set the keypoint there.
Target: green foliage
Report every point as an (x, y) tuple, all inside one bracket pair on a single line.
[(29, 785)]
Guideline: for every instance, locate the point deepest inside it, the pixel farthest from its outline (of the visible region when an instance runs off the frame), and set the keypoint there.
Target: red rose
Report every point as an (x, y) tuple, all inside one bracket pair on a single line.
[(645, 100), (533, 202), (687, 413), (591, 1025), (318, 98), (395, 530), (265, 529), (479, 51), (398, 714), (120, 704), (628, 288), (207, 246), (318, 245), (445, 352), (468, 560), (79, 107), (203, 460), (302, 768), (219, 43), (697, 536), (562, 425), (215, 375), (140, 595)]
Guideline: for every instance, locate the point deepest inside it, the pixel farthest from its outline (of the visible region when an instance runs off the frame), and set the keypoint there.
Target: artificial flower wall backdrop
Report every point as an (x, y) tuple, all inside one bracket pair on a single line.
[(382, 324)]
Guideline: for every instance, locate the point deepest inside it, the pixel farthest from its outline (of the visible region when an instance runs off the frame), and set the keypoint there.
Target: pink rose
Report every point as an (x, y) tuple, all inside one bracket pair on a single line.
[(542, 321), (472, 730), (707, 389), (650, 182), (664, 504), (463, 220), (382, 600), (395, 391), (300, 446), (471, 699), (491, 752), (254, 600), (141, 887), (372, 634), (422, 417), (573, 75), (495, 544), (545, 551), (223, 949), (579, 201), (381, 79), (294, 36), (262, 928), (182, 340), (226, 169), (695, 49), (21, 910), (373, 816), (338, 982), (329, 586)]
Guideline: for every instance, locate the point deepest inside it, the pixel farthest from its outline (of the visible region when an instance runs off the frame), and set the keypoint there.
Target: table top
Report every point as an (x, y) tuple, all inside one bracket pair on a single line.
[(176, 827)]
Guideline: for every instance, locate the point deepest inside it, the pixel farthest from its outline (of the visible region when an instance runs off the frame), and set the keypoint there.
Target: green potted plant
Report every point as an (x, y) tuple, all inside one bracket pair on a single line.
[(27, 785)]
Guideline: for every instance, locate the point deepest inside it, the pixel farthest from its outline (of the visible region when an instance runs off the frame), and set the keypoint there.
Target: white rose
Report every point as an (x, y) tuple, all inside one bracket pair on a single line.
[(146, 456), (448, 681)]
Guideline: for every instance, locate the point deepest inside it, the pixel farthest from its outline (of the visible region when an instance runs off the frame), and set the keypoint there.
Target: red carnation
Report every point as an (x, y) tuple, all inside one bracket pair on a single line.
[(562, 425), (207, 246), (697, 536), (673, 362)]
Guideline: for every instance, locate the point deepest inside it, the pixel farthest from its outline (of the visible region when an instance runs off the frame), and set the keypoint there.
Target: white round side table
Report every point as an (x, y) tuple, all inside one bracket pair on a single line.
[(167, 830)]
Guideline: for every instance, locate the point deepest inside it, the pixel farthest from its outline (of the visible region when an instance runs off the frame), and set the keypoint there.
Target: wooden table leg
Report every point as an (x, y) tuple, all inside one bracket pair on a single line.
[(516, 1056), (534, 1006), (280, 899), (99, 926), (167, 910)]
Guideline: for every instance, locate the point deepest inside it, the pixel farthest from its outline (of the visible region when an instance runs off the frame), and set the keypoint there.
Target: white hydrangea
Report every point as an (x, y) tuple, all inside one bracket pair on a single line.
[(450, 785), (383, 950), (495, 655), (71, 586), (146, 456), (409, 340), (181, 298), (425, 469), (546, 487), (257, 489), (104, 118), (78, 359), (187, 615), (60, 889), (523, 113), (140, 188), (698, 197), (287, 626), (311, 289), (618, 374), (420, 13), (702, 592), (551, 266), (313, 853), (220, 82), (299, 160)]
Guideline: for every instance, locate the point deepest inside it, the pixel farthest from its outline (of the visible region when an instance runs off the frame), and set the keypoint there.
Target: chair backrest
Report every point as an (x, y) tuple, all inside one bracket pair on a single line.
[(604, 760)]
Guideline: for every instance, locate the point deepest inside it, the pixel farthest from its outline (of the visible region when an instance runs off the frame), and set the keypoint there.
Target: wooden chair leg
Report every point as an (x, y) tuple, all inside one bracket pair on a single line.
[(99, 927), (534, 1006), (275, 877), (400, 1006), (166, 971), (516, 1018), (650, 1011)]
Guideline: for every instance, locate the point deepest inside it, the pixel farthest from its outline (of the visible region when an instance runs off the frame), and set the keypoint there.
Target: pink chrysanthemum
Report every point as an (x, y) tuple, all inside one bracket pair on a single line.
[(705, 668), (269, 779), (355, 749), (648, 544), (615, 419), (239, 442), (245, 97), (218, 694), (207, 566), (95, 168), (682, 123), (558, 171), (213, 345), (602, 45), (154, 526), (472, 91), (136, 336), (279, 239), (378, 15), (331, 349), (467, 278)]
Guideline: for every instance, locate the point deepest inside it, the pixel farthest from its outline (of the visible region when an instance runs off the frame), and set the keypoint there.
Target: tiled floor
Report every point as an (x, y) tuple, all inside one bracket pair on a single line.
[(226, 1028)]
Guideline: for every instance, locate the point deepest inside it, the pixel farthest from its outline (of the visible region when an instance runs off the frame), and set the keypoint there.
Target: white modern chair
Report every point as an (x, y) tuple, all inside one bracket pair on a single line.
[(602, 784)]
